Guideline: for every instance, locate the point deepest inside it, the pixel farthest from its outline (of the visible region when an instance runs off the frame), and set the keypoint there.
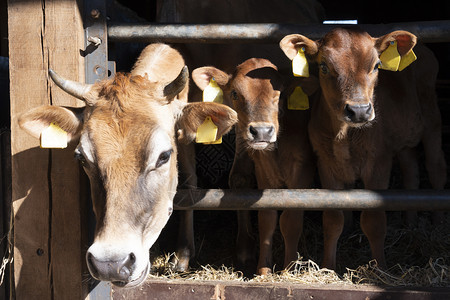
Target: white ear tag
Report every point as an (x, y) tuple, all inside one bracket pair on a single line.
[(53, 137), (212, 92), (300, 66)]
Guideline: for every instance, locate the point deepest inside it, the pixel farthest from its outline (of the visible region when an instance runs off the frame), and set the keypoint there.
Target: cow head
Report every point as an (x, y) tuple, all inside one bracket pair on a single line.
[(254, 92), (127, 146), (348, 61)]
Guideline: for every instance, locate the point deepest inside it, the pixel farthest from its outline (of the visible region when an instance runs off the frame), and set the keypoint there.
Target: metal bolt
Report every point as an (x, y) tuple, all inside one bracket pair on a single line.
[(95, 13), (96, 41)]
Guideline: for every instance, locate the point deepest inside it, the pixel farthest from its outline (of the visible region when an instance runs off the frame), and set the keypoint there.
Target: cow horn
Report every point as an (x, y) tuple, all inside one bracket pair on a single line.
[(76, 89), (176, 86)]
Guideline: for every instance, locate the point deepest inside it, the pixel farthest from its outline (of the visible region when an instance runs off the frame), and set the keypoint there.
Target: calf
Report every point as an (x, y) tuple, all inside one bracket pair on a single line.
[(127, 145), (226, 57), (281, 160), (365, 116)]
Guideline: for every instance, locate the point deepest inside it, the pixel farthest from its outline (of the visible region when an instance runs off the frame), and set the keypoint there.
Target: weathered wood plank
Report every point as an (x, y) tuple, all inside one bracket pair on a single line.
[(64, 37), (46, 199), (186, 290), (29, 164)]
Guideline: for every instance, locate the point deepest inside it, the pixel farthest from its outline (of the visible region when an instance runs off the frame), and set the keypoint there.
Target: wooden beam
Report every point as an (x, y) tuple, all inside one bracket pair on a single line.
[(48, 250)]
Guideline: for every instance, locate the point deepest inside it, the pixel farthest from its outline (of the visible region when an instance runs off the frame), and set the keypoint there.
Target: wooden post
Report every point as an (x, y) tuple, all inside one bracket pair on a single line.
[(48, 240)]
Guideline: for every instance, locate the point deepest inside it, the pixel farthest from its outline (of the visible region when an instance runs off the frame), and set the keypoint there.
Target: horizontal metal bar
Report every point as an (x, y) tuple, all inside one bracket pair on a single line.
[(428, 32), (312, 199)]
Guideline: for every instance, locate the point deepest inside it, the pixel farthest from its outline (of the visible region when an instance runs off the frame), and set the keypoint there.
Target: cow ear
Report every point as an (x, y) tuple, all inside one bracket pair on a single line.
[(405, 41), (67, 118), (194, 114), (203, 75), (292, 43)]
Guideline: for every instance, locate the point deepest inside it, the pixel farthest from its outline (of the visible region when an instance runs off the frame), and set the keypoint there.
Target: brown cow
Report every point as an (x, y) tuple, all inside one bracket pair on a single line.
[(281, 160), (357, 126), (127, 145), (226, 57)]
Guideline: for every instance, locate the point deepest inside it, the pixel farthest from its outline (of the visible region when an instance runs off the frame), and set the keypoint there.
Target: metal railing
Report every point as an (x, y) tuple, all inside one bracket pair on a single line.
[(428, 32), (312, 199), (307, 199)]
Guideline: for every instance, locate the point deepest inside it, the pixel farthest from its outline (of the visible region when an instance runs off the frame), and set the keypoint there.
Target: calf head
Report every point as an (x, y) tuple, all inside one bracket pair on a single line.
[(348, 61), (127, 146), (254, 92)]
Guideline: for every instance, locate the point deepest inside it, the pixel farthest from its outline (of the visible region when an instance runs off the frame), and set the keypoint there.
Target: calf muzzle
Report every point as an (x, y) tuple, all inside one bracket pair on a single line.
[(358, 113), (261, 133)]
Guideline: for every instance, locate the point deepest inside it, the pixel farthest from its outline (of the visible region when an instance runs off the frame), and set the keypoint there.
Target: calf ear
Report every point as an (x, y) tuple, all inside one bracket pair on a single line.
[(38, 119), (194, 114), (203, 75), (290, 45), (405, 41)]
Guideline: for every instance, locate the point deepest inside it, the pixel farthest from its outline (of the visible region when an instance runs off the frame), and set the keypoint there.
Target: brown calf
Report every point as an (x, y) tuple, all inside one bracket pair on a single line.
[(226, 57), (282, 160), (365, 116), (127, 145)]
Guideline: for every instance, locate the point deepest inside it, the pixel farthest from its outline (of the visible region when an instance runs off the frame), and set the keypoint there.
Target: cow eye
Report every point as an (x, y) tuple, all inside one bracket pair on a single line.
[(80, 157), (377, 66), (323, 68), (163, 158), (234, 95)]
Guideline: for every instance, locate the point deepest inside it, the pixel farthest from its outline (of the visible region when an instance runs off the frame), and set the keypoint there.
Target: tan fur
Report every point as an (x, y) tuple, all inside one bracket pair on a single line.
[(405, 114), (128, 149), (286, 163)]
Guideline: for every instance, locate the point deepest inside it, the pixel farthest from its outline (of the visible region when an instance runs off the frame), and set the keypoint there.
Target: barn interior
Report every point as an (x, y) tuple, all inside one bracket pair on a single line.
[(215, 244)]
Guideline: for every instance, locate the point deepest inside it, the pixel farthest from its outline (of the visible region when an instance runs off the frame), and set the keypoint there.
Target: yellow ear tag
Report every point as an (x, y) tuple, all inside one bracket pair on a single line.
[(213, 93), (216, 142), (207, 132), (53, 137), (406, 60), (390, 58), (300, 64), (298, 100)]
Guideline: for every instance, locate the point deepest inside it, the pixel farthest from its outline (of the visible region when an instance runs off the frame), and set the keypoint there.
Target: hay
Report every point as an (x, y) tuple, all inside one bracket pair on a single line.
[(434, 274), (162, 267), (419, 256), (303, 272)]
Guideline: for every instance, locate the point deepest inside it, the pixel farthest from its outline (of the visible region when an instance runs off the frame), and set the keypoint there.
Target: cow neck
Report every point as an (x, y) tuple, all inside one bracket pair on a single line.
[(331, 128)]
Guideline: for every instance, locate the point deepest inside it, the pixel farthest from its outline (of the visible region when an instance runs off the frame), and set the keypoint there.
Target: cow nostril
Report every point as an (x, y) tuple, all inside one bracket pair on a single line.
[(253, 131), (132, 258), (91, 265), (369, 109), (349, 112), (270, 131)]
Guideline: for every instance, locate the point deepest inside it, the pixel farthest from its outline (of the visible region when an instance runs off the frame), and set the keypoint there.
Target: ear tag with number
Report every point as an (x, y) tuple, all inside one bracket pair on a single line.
[(300, 64), (212, 92), (207, 132), (298, 100), (390, 58), (53, 137), (407, 59)]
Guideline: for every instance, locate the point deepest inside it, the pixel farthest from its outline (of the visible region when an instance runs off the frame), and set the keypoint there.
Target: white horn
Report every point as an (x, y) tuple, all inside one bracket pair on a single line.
[(76, 89)]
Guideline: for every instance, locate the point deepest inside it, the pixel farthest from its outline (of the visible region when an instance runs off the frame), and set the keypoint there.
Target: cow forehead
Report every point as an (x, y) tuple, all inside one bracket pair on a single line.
[(257, 84), (347, 47), (125, 136)]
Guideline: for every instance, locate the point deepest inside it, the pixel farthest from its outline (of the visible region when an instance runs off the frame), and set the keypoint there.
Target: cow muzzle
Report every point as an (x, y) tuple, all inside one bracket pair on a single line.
[(120, 271), (359, 113), (260, 135)]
